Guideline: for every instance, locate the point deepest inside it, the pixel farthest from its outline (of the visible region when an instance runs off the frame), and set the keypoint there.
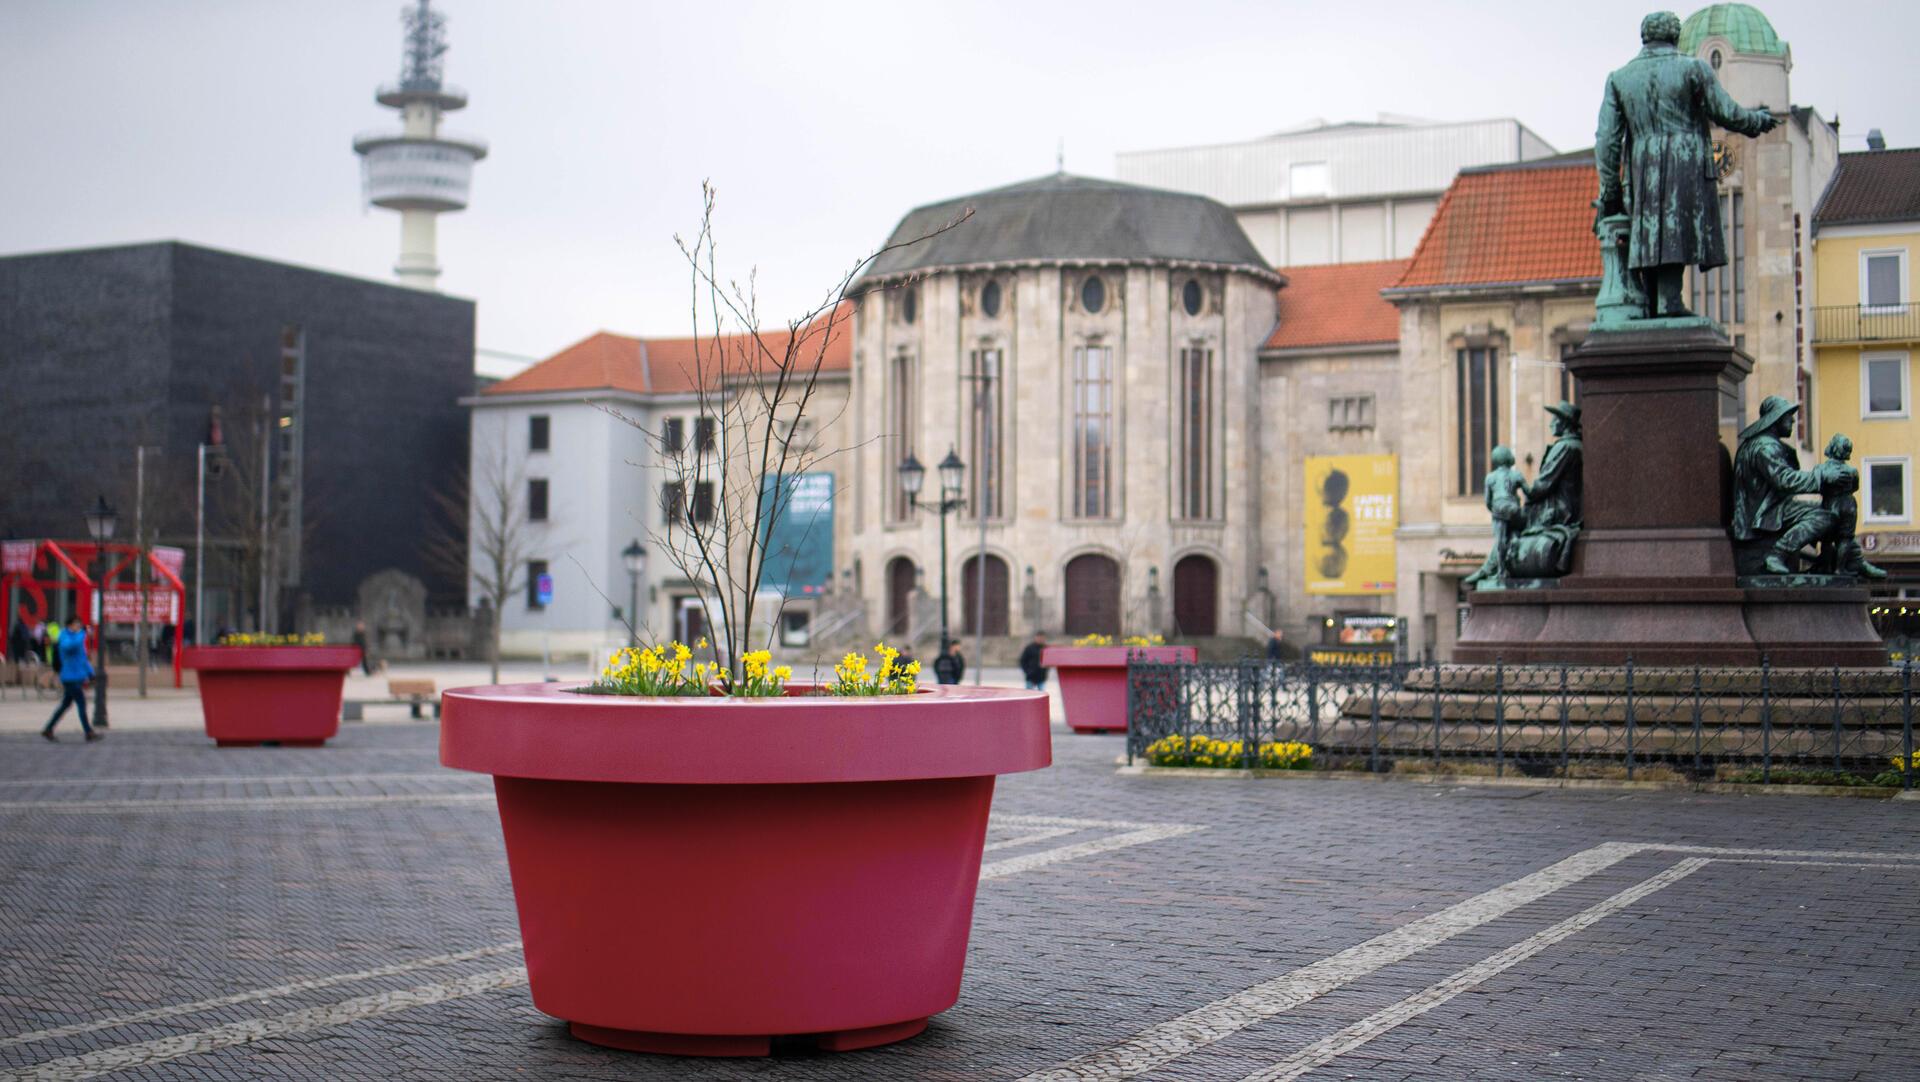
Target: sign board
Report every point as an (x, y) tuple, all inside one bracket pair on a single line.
[(1890, 542), (1333, 655), (16, 557), (123, 606), (170, 558), (1350, 511), (1362, 629), (799, 540), (543, 589)]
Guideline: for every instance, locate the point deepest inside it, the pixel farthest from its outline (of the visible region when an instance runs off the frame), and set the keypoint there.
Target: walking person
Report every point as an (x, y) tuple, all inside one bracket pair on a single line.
[(950, 665), (1030, 666), (360, 640), (1276, 651), (75, 671)]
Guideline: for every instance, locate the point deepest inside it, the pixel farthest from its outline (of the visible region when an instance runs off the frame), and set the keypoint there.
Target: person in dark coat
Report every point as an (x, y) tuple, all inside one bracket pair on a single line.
[(1275, 650), (75, 671), (360, 640), (1030, 666), (1655, 119), (950, 666), (19, 641)]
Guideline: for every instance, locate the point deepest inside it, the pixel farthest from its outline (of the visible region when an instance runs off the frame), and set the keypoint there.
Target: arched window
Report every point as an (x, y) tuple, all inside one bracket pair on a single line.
[(997, 596), (986, 431), (909, 304), (1093, 596), (1196, 596), (1093, 435)]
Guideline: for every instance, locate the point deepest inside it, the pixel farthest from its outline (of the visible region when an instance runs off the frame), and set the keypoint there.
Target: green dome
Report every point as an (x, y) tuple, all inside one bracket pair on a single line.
[(1741, 25)]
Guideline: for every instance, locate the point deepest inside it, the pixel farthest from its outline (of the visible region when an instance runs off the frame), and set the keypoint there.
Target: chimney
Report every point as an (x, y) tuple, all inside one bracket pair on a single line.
[(1876, 141)]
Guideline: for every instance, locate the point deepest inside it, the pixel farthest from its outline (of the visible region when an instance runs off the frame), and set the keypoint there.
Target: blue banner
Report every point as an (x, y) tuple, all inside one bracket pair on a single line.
[(799, 545)]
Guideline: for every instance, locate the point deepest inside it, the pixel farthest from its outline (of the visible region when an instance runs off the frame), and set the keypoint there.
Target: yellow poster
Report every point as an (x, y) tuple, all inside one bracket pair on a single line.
[(1351, 508)]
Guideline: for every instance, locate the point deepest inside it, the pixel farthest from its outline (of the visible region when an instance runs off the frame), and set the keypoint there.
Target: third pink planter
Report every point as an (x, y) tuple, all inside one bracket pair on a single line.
[(1093, 681)]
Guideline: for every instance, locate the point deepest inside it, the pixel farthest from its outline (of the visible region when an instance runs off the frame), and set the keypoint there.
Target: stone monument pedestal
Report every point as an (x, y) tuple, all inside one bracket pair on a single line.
[(1653, 575)]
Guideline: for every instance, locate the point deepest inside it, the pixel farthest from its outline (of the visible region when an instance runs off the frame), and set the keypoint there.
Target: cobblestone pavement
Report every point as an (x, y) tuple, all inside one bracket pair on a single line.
[(169, 910)]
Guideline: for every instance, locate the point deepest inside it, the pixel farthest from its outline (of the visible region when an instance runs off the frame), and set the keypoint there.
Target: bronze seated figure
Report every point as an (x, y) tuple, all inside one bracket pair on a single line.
[(1771, 527)]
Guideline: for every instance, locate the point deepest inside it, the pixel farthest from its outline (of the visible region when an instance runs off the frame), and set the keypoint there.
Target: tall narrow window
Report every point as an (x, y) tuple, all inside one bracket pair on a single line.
[(1477, 415), (704, 429), (538, 434), (1093, 435), (1883, 485), (1737, 235), (900, 376), (1883, 281), (1883, 386), (673, 502), (673, 435), (537, 500), (1569, 385), (986, 431), (703, 501), (1196, 433)]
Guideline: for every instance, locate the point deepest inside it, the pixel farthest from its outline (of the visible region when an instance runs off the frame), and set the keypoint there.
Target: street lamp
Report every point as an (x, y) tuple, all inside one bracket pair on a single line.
[(101, 522), (913, 477), (636, 561)]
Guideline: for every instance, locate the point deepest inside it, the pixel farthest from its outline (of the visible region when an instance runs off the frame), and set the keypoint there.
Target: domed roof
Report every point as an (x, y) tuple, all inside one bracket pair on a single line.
[(1741, 25), (1069, 219)]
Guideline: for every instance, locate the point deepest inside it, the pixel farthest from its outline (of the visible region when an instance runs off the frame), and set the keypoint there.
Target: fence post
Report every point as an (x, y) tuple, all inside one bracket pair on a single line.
[(1249, 695), (1836, 718), (1499, 718), (1906, 722), (1438, 709), (1696, 723), (1563, 721), (1313, 704), (1629, 717), (1373, 750), (1766, 721)]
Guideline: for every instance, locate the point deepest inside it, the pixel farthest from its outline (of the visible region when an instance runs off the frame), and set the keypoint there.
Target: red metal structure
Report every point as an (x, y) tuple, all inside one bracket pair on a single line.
[(30, 572)]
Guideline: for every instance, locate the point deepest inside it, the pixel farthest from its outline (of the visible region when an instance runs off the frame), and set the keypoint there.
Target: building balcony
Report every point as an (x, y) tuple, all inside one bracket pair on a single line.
[(1843, 324)]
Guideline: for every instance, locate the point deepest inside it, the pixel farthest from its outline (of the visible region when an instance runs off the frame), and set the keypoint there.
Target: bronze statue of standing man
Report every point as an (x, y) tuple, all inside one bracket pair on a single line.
[(1655, 119)]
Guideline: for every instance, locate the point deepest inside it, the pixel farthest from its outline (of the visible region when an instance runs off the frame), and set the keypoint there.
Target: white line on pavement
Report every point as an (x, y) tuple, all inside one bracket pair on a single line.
[(1165, 1041), (238, 779), (256, 995), (1817, 854), (1324, 1051), (145, 1053), (1029, 839), (1029, 861), (227, 803)]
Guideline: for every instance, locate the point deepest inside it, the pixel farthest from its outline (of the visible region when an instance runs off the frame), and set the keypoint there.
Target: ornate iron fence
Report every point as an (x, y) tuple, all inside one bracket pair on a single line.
[(1764, 724)]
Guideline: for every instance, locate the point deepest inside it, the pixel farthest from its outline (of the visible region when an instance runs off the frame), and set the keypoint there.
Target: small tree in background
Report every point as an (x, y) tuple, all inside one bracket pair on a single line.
[(481, 533)]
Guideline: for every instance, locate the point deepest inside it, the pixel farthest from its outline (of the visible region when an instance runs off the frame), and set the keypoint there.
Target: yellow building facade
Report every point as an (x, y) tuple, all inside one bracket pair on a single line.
[(1866, 336)]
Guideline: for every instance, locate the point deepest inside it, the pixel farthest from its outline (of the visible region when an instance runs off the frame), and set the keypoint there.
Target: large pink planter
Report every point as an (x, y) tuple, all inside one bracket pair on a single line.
[(1093, 681), (271, 694), (701, 876)]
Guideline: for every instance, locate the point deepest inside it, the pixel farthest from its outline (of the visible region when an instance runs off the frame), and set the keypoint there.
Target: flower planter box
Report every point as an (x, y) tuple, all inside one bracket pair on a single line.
[(1093, 681), (700, 876), (286, 695)]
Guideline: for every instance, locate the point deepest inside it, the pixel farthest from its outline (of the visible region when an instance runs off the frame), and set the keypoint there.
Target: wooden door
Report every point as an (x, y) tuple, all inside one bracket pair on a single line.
[(900, 576), (1196, 596), (997, 586), (1093, 596)]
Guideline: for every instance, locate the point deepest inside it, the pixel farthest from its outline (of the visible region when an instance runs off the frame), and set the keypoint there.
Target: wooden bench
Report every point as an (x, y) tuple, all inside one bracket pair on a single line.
[(410, 693)]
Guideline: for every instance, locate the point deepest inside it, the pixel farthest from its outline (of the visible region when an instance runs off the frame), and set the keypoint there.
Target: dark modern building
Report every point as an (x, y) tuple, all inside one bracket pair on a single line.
[(344, 391)]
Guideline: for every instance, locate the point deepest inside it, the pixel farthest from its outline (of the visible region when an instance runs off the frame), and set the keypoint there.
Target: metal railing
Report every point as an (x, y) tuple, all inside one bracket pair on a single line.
[(1766, 724), (1866, 323)]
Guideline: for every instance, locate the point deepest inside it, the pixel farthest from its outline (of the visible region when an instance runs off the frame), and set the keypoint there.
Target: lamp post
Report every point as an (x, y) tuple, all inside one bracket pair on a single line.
[(100, 525), (636, 561), (913, 477)]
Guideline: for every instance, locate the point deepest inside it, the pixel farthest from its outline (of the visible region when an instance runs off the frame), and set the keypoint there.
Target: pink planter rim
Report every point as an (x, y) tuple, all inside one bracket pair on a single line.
[(217, 658), (1063, 657), (550, 731)]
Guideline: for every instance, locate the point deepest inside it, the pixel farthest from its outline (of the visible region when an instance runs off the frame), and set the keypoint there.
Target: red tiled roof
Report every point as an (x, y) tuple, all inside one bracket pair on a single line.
[(617, 362), (1523, 223), (1337, 304), (1872, 186)]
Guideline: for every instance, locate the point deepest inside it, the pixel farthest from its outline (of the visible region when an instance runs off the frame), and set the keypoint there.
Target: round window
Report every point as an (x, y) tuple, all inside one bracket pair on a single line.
[(990, 299), (1191, 296), (909, 305), (1714, 59), (1093, 294)]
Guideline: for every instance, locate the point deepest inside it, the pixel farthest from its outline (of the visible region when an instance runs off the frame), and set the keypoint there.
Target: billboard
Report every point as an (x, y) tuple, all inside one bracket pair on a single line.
[(799, 545), (1352, 507)]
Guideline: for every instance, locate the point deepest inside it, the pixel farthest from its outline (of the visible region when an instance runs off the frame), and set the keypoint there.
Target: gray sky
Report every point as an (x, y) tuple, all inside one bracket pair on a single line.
[(229, 122)]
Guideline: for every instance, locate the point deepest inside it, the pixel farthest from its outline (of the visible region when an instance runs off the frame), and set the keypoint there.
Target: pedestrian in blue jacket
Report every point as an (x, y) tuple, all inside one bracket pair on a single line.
[(75, 671)]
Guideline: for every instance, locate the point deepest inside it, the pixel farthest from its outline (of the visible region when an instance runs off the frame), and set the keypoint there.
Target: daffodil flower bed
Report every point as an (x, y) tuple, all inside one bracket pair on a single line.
[(242, 638), (1131, 640), (1207, 751), (855, 677)]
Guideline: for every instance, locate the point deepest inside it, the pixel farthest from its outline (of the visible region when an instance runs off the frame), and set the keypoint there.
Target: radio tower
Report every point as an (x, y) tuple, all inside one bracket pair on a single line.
[(420, 171)]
